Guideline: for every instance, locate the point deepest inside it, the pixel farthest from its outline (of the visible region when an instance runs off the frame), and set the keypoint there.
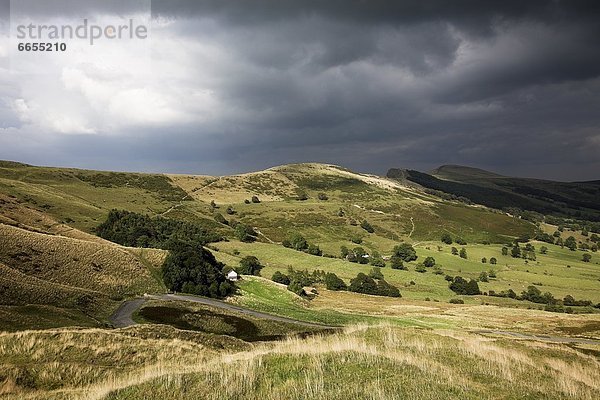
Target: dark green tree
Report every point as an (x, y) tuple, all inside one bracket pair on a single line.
[(333, 282), (280, 278), (446, 238), (250, 265), (405, 251)]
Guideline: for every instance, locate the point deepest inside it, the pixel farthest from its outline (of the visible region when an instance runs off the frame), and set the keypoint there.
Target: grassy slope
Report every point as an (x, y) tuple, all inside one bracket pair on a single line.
[(380, 362)]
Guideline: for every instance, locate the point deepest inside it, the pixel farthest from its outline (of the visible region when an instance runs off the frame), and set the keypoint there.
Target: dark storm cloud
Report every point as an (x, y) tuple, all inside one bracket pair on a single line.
[(512, 86)]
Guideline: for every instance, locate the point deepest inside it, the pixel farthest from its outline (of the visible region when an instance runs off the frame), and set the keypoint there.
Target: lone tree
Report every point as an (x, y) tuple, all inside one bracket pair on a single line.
[(446, 238), (192, 269), (571, 243), (250, 265), (405, 251), (429, 262), (504, 251), (515, 252), (586, 257), (493, 260), (454, 251), (463, 253)]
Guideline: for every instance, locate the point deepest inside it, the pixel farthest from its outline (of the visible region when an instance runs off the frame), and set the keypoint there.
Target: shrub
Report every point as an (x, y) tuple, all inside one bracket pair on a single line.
[(449, 278), (363, 284), (463, 253), (302, 196), (333, 282), (322, 196), (454, 251), (405, 251), (356, 239), (493, 261), (250, 265), (221, 219), (297, 242), (492, 274), (543, 250), (367, 285), (246, 201), (461, 241), (484, 260), (429, 262), (586, 257), (314, 250), (386, 289), (483, 277), (367, 226), (456, 301), (376, 260), (296, 287), (504, 251), (255, 199), (280, 278), (344, 251), (460, 286), (446, 238), (420, 268), (397, 263), (571, 243), (375, 273), (515, 252)]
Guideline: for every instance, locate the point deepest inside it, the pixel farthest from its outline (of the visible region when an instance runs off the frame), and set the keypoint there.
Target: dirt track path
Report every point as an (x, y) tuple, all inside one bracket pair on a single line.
[(122, 317)]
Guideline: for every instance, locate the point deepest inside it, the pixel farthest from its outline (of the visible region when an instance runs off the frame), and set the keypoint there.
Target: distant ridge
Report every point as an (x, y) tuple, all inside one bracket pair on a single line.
[(579, 200)]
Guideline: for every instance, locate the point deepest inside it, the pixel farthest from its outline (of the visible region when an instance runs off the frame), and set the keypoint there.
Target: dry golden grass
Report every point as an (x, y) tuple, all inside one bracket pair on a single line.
[(363, 362)]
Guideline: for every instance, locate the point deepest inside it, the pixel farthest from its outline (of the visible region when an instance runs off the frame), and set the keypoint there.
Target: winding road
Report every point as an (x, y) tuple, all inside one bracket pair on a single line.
[(122, 317)]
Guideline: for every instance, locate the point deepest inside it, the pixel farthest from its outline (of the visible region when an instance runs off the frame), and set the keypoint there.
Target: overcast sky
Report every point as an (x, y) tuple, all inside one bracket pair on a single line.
[(231, 86)]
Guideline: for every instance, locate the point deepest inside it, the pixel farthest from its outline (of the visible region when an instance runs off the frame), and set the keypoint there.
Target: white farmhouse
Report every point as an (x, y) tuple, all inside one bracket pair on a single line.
[(232, 276)]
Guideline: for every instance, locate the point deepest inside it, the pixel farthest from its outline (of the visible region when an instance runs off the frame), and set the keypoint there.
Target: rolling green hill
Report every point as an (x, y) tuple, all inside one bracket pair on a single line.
[(56, 273)]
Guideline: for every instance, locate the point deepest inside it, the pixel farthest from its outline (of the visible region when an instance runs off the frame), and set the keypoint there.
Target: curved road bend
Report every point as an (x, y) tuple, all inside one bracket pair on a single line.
[(122, 316)]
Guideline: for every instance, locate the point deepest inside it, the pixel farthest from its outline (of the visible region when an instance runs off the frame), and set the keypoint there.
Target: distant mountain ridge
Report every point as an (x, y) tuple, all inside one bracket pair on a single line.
[(580, 200)]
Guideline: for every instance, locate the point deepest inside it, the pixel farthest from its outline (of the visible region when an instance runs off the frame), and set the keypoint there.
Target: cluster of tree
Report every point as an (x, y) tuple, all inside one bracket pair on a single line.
[(138, 230), (160, 185), (190, 268), (297, 280), (378, 286), (535, 295), (243, 232), (516, 251), (250, 265), (459, 285), (355, 255), (462, 253), (297, 242)]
